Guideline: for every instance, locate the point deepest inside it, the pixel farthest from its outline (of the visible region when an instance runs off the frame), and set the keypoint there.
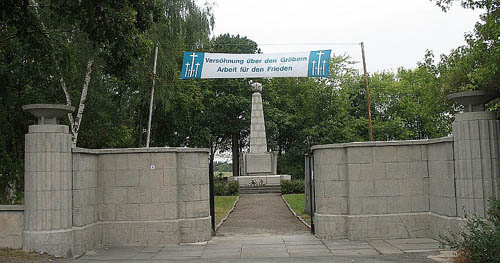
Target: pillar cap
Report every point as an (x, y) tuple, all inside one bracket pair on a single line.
[(473, 100), (48, 114)]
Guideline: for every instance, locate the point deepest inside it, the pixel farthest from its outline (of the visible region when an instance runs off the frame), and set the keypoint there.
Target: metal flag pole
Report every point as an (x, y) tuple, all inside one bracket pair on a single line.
[(148, 140), (370, 128)]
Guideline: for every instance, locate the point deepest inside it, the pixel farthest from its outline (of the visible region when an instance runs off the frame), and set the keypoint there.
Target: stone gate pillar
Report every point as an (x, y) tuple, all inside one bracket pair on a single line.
[(476, 150), (48, 182)]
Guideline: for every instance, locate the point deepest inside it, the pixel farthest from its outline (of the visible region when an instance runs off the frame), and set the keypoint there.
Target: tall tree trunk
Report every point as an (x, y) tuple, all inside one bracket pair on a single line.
[(74, 122), (235, 148), (83, 98)]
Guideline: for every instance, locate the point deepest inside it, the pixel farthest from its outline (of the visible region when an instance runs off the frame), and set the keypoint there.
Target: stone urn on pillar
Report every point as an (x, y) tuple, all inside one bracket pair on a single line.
[(476, 151), (48, 182)]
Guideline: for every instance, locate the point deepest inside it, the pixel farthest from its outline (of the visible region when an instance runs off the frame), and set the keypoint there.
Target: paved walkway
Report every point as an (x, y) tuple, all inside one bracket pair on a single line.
[(274, 248), (261, 214), (261, 229)]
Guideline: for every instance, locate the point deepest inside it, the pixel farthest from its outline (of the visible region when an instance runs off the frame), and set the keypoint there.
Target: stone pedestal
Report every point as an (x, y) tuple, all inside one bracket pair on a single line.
[(476, 146), (48, 183)]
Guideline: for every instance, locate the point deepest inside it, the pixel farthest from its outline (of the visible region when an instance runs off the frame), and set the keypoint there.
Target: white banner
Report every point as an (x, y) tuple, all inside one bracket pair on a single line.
[(197, 65)]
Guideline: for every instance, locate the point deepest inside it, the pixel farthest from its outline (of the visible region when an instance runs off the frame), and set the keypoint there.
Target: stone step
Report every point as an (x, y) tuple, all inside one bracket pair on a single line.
[(260, 189)]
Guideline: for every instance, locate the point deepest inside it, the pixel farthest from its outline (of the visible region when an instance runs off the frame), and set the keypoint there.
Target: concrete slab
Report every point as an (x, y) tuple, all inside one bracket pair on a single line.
[(303, 254), (278, 242), (183, 248), (222, 255), (355, 252), (165, 254), (418, 247), (360, 246), (299, 238), (411, 240), (270, 254), (151, 249), (384, 247), (222, 250), (306, 246)]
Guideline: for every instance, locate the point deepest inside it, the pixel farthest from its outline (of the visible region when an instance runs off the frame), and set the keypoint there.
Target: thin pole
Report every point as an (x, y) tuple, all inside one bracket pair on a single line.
[(148, 140), (370, 128)]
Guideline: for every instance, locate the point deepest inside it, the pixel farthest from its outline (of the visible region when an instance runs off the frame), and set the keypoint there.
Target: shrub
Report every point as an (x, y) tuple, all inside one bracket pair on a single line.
[(219, 178), (294, 186), (480, 241), (223, 188)]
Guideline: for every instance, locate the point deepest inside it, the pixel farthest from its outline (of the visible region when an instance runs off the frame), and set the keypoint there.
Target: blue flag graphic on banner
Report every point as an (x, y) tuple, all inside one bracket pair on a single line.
[(319, 63), (192, 65)]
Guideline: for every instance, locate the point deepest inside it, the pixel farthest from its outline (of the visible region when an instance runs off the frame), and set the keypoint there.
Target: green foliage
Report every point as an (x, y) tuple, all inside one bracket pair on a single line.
[(223, 167), (295, 186), (226, 188), (297, 203), (476, 65), (480, 241), (41, 43), (303, 112)]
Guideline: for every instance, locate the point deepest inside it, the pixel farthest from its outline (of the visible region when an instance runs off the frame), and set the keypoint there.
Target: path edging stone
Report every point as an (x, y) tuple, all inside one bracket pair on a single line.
[(228, 213), (295, 214)]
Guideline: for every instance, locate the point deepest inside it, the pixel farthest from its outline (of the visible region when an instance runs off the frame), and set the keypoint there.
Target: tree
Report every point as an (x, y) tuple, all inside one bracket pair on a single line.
[(103, 47), (475, 65), (301, 112), (231, 98), (410, 104)]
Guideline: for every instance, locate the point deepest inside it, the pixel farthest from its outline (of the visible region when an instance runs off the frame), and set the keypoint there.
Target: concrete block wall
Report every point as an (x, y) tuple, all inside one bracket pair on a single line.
[(79, 199), (87, 231), (442, 179), (11, 226), (145, 197), (135, 195), (380, 189), (193, 206), (331, 192)]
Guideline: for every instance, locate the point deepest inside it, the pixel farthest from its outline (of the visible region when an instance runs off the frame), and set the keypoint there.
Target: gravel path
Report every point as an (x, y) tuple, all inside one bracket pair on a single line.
[(261, 214)]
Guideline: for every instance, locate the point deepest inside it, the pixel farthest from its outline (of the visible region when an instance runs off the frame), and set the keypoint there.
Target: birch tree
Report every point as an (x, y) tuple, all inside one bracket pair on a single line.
[(82, 31)]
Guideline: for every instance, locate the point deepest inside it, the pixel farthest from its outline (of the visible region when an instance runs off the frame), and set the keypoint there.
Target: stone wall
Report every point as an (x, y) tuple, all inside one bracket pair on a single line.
[(11, 226), (79, 199), (384, 189), (86, 196), (140, 197)]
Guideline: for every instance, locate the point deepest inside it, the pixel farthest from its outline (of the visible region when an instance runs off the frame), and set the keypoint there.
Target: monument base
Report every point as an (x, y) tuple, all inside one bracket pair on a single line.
[(258, 164), (256, 180)]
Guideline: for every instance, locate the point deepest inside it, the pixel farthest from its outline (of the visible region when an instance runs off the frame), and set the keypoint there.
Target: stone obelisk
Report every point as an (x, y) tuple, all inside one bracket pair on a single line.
[(258, 142), (258, 162)]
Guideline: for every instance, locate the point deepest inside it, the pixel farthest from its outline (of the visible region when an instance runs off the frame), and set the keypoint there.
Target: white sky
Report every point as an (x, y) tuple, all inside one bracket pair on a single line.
[(395, 32)]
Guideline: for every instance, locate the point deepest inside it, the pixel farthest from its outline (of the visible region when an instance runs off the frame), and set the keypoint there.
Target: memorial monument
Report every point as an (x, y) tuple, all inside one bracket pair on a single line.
[(259, 166)]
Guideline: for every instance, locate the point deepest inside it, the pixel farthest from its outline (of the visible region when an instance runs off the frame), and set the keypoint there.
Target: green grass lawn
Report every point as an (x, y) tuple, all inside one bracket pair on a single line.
[(222, 206), (297, 203), (224, 174)]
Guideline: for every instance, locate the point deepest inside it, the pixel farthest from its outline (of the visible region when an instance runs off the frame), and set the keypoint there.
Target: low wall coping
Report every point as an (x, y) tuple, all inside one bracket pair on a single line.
[(11, 207), (383, 143), (140, 150)]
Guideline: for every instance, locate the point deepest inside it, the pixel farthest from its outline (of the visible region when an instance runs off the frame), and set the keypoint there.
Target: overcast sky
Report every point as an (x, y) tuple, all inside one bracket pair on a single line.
[(395, 32)]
